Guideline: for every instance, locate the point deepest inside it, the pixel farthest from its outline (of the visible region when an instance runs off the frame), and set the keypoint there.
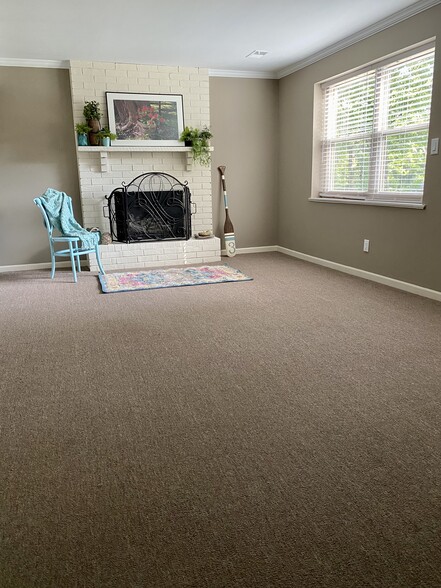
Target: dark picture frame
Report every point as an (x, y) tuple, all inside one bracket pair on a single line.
[(145, 120)]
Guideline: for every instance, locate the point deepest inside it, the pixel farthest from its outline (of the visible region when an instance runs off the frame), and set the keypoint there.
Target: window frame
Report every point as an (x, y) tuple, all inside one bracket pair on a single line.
[(373, 195)]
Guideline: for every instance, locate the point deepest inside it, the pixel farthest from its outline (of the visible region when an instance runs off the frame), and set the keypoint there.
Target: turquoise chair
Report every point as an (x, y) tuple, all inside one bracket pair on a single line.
[(74, 251)]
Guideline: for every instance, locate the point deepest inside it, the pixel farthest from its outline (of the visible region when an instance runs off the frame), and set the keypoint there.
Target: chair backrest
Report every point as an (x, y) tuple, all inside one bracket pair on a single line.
[(47, 224), (46, 220)]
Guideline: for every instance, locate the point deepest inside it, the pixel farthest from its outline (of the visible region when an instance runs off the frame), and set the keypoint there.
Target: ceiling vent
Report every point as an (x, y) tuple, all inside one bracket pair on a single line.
[(257, 54)]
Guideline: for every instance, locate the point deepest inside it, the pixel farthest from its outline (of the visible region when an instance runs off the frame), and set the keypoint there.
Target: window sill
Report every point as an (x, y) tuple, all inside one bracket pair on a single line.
[(414, 205)]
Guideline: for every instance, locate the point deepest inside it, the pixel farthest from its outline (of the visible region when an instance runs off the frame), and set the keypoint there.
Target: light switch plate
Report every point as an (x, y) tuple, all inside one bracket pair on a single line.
[(434, 146)]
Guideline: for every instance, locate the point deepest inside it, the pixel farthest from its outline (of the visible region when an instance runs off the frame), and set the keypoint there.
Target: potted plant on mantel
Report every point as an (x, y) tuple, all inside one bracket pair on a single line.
[(82, 129), (106, 136), (198, 140), (92, 114)]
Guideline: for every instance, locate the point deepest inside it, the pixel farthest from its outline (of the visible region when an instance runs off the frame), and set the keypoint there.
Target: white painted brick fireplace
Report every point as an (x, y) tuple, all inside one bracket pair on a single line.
[(100, 170)]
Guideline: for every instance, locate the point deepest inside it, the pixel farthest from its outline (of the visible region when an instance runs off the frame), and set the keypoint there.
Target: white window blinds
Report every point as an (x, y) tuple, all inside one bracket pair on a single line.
[(375, 130)]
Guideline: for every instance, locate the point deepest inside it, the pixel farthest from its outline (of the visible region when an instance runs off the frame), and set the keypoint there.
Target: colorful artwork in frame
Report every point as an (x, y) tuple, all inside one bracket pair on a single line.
[(145, 120)]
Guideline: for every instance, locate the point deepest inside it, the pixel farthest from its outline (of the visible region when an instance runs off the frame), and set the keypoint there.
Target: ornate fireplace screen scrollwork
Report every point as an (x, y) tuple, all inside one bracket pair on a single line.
[(153, 207)]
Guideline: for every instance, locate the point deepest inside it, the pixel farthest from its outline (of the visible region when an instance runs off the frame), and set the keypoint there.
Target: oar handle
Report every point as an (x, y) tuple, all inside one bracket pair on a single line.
[(222, 169)]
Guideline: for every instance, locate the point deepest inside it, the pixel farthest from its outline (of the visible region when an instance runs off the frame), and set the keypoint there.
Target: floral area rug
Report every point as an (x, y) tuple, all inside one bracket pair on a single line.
[(170, 278)]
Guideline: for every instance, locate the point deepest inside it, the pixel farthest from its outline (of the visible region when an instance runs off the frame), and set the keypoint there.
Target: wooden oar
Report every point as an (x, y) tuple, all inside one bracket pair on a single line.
[(230, 239)]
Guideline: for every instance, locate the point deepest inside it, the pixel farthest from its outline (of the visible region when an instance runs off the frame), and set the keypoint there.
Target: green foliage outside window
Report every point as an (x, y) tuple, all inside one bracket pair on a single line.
[(377, 129)]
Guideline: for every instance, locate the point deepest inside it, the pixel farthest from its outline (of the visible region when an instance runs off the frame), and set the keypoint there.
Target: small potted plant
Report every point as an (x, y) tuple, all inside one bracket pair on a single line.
[(187, 136), (92, 114), (106, 136), (198, 140), (82, 129)]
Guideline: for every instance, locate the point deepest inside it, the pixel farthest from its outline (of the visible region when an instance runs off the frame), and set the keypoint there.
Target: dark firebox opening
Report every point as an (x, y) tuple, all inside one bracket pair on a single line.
[(152, 207)]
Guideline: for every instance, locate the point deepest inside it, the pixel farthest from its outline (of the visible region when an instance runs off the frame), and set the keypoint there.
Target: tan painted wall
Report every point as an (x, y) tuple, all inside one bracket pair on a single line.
[(405, 244), (244, 117), (37, 151)]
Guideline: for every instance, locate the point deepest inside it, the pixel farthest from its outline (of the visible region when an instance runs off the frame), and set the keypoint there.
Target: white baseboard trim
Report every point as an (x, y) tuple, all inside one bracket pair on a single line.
[(33, 266), (263, 249), (353, 271), (347, 269)]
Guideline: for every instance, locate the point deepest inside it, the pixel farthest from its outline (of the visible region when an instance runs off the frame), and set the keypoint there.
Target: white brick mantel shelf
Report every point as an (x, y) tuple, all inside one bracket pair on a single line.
[(104, 151)]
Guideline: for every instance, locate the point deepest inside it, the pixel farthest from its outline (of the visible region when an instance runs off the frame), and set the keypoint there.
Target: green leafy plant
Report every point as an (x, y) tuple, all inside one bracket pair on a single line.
[(205, 134), (105, 132), (82, 128), (92, 110), (198, 139), (187, 135)]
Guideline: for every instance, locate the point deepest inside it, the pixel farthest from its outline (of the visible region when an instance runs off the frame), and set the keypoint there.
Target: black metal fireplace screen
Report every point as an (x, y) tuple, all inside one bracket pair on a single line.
[(153, 207)]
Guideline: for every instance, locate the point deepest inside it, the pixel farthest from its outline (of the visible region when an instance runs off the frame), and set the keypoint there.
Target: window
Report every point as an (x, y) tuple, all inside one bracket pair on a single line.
[(375, 126)]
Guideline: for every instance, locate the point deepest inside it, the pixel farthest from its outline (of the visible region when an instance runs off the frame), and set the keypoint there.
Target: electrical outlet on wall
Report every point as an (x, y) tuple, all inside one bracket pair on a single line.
[(366, 245)]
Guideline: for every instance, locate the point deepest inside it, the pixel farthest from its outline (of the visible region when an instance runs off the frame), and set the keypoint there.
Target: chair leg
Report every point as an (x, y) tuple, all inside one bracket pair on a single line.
[(78, 263), (98, 259), (52, 263), (72, 260)]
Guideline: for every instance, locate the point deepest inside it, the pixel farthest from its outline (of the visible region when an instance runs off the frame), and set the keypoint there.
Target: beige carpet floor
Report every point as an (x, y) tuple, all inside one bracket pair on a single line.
[(283, 432)]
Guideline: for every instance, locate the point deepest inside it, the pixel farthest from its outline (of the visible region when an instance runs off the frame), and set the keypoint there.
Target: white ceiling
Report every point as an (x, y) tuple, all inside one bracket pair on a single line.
[(202, 33)]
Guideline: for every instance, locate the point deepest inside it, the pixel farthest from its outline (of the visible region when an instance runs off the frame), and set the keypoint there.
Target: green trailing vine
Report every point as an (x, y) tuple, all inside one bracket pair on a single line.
[(198, 139)]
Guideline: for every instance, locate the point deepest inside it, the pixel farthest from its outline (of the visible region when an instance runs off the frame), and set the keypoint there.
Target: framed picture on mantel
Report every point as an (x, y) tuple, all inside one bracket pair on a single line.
[(145, 120)]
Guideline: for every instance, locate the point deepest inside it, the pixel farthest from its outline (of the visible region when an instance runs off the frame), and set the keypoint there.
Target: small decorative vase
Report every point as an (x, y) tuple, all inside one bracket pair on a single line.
[(105, 141), (82, 139), (106, 239), (188, 143), (94, 124)]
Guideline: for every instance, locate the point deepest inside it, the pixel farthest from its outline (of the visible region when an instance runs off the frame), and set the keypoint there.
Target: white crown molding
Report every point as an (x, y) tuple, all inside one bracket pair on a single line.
[(233, 73), (379, 26), (44, 63)]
